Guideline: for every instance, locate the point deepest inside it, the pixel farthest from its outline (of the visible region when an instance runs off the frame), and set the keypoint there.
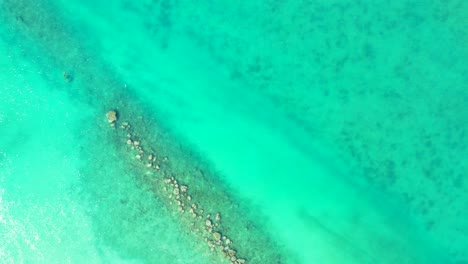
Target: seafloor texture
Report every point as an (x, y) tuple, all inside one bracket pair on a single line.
[(243, 132)]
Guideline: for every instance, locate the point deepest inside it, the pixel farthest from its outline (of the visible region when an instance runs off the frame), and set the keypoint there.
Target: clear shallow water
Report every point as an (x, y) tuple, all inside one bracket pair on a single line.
[(323, 133)]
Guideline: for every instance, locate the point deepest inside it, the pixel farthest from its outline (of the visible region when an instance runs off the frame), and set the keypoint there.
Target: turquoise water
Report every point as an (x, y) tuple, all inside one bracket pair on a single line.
[(321, 132)]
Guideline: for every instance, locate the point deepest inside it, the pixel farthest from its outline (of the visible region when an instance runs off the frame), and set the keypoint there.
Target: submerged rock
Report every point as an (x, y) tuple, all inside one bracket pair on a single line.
[(217, 236), (111, 116)]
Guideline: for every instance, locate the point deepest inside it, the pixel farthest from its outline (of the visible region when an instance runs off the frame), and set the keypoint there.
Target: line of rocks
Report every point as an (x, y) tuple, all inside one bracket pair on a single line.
[(178, 196)]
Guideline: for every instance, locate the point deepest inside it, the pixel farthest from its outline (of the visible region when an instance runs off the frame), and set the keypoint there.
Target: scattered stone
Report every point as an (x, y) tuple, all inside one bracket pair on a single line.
[(217, 236), (218, 241), (111, 116)]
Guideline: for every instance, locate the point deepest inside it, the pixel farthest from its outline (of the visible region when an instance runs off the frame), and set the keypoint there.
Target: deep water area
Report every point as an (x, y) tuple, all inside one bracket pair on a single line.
[(263, 132)]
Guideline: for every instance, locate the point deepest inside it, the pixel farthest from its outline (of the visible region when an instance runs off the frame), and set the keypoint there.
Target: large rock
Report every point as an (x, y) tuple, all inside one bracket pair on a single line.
[(111, 116), (217, 236)]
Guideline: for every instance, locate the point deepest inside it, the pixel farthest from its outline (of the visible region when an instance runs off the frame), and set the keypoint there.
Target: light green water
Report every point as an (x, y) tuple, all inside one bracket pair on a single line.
[(322, 132)]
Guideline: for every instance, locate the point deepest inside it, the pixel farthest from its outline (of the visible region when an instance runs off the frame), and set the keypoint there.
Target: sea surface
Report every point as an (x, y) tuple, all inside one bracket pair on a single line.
[(262, 131)]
